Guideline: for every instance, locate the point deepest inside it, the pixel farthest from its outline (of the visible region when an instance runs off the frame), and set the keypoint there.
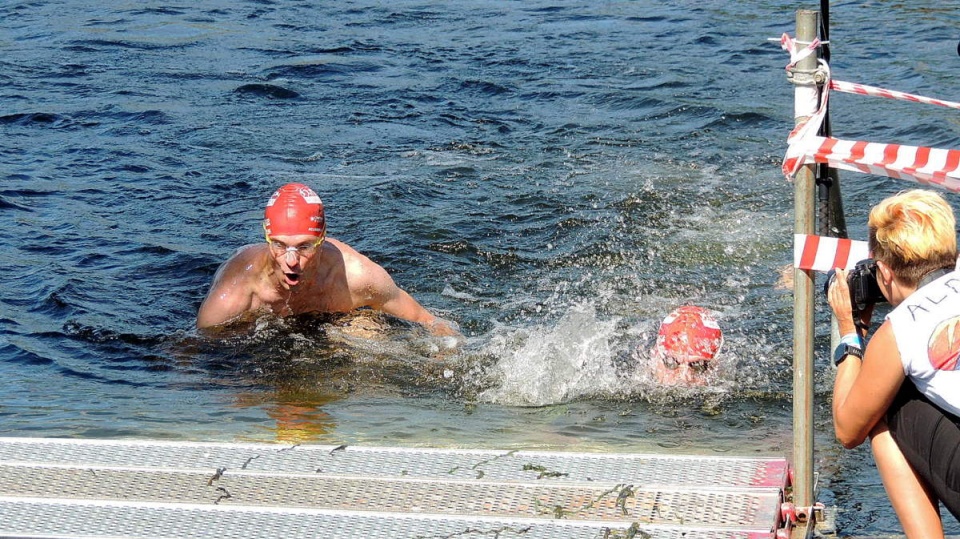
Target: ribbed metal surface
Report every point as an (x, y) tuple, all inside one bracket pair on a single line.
[(154, 489), (410, 463), (42, 518)]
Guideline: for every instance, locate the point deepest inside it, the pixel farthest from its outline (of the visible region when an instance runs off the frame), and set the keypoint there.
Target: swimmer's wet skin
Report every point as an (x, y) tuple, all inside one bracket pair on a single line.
[(300, 270)]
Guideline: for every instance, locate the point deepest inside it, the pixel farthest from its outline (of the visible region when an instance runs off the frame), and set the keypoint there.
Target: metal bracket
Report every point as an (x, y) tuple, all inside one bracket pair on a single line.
[(806, 77), (793, 514)]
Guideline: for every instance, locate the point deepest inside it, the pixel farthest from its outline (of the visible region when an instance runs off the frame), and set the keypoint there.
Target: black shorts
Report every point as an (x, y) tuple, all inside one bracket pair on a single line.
[(930, 440)]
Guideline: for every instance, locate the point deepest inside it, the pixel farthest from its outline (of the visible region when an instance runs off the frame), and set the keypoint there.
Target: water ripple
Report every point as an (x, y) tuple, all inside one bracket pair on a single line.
[(552, 177)]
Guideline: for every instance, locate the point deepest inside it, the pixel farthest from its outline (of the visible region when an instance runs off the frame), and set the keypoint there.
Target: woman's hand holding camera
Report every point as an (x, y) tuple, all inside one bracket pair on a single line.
[(838, 295)]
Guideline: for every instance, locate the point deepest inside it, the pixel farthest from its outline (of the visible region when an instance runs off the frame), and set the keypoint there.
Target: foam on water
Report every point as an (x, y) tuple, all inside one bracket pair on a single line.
[(554, 177), (550, 365)]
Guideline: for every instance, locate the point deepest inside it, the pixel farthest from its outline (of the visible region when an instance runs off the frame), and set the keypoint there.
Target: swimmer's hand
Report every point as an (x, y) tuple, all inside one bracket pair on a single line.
[(448, 329), (443, 328)]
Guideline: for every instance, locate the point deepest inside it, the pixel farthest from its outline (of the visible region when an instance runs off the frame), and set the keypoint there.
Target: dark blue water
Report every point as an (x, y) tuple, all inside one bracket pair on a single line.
[(554, 177)]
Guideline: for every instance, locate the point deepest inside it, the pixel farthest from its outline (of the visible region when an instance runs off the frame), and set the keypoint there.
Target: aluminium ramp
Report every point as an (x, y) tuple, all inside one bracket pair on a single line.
[(99, 488)]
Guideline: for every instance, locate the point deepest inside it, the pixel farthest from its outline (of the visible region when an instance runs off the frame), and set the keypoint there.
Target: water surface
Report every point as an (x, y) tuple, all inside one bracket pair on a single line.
[(553, 177)]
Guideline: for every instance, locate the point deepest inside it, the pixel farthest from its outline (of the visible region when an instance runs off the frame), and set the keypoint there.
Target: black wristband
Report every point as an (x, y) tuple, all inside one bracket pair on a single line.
[(844, 351)]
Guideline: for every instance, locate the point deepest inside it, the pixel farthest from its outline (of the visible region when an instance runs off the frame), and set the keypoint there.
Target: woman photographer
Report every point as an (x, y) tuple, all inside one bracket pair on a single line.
[(905, 391)]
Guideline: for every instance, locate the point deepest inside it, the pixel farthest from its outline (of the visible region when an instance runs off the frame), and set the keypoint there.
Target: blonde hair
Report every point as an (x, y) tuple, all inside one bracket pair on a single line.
[(914, 233)]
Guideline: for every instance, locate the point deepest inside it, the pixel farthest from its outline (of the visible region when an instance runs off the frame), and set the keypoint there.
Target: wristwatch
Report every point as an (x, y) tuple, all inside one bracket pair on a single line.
[(845, 350)]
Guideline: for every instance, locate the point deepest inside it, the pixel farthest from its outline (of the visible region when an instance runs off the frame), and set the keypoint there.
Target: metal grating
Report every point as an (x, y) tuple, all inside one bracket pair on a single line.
[(412, 463), (77, 488), (43, 519)]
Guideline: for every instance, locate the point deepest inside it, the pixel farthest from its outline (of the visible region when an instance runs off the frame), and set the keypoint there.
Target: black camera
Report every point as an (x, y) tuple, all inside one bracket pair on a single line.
[(864, 289)]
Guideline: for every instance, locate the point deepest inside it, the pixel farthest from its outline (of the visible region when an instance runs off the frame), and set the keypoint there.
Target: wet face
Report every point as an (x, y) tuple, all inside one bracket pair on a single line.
[(670, 372), (292, 253), (695, 367)]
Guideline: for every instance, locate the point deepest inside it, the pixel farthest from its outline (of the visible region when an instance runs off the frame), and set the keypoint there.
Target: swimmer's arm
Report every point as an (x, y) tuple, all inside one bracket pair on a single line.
[(217, 311), (386, 296), (863, 390), (228, 297), (402, 305), (221, 307)]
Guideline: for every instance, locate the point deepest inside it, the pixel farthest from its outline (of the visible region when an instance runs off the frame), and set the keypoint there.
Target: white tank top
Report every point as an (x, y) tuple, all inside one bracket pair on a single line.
[(926, 327)]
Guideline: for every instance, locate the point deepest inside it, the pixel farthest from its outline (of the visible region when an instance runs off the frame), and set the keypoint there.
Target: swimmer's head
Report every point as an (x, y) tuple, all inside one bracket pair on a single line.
[(294, 210), (688, 335)]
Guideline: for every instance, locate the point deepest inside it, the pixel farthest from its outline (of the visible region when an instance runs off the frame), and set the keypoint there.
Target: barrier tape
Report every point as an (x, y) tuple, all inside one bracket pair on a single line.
[(929, 166), (789, 44), (822, 253), (863, 89)]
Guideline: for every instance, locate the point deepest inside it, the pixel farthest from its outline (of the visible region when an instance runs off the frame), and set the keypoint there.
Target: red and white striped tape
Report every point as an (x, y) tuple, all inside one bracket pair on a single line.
[(863, 89), (933, 166), (929, 166), (789, 44), (822, 253)]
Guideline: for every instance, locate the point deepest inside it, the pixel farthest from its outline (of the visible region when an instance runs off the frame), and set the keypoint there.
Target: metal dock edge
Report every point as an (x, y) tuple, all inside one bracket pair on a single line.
[(99, 488)]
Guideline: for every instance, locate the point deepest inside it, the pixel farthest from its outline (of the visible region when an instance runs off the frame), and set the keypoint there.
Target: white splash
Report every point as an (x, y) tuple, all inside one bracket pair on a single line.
[(551, 365)]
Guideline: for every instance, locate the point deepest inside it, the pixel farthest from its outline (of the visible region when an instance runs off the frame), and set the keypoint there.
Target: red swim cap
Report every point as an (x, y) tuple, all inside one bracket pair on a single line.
[(294, 209), (689, 334)]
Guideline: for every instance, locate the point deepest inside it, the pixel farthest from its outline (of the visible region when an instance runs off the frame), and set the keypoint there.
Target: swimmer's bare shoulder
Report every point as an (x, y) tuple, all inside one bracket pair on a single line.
[(372, 286), (368, 281), (236, 288)]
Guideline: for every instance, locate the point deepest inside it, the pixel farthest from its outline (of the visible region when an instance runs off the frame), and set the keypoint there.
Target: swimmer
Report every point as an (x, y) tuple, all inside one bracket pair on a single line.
[(298, 269), (687, 345)]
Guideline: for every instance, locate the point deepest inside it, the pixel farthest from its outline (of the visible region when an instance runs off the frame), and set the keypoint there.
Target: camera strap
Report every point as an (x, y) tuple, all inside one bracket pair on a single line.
[(933, 276)]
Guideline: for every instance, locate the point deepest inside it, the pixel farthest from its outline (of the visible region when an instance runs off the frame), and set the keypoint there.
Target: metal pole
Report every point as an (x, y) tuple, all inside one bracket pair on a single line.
[(833, 222), (806, 95)]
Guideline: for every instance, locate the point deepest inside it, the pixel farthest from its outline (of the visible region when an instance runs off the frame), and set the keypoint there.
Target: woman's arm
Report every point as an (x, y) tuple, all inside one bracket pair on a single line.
[(863, 390)]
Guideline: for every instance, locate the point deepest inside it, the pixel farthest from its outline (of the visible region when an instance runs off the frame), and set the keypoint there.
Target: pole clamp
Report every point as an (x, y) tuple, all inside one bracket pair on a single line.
[(807, 77), (793, 514)]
